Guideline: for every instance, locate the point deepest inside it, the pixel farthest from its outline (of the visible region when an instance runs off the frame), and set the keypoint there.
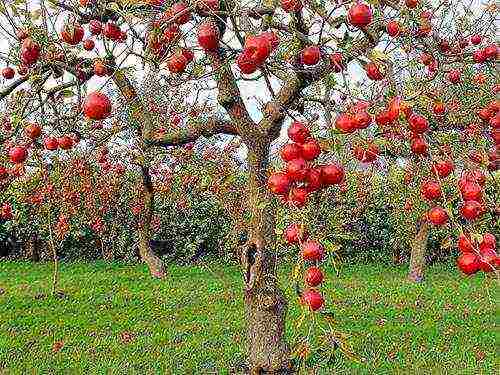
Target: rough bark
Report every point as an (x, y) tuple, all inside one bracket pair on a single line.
[(155, 264), (32, 248), (107, 252), (144, 131), (266, 306), (417, 256)]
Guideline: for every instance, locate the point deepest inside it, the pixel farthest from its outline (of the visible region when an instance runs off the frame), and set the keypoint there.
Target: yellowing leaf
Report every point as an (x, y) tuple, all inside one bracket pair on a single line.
[(296, 271), (377, 55), (301, 320)]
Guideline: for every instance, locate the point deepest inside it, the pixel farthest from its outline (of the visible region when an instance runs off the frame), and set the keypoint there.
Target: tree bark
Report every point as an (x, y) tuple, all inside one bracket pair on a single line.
[(32, 248), (417, 256), (155, 264), (144, 131), (266, 306)]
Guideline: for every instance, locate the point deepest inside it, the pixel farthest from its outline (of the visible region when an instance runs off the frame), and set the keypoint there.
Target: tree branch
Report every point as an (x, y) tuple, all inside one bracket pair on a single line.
[(193, 131), (8, 90), (275, 110)]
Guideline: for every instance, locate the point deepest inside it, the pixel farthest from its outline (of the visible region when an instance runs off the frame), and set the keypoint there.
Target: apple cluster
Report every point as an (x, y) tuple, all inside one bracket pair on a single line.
[(293, 185)]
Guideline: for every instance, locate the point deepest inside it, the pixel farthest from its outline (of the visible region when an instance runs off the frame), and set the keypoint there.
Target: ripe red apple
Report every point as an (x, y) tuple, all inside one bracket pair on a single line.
[(312, 250), (310, 149), (418, 124), (360, 14), (437, 216), (95, 27), (313, 299), (51, 143), (97, 106), (295, 233), (313, 276), (411, 3), (279, 183), (65, 142), (88, 45), (30, 52), (33, 131), (464, 244), (298, 132), (246, 64), (313, 180), (291, 6), (418, 146), (257, 48), (468, 263), (290, 151), (373, 72), (471, 210), (72, 33), (345, 123), (454, 76), (8, 72), (443, 168), (393, 28), (362, 119), (491, 51), (489, 240), (208, 36), (488, 260), (298, 196), (296, 169), (476, 39), (479, 56), (332, 174), (311, 55), (471, 191), (431, 190), (439, 108), (112, 31), (18, 154), (177, 63)]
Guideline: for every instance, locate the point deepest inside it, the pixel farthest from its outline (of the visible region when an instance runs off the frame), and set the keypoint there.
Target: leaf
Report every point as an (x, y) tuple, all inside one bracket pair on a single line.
[(35, 14), (67, 93), (446, 243), (331, 247), (296, 271), (58, 345), (301, 320), (377, 55)]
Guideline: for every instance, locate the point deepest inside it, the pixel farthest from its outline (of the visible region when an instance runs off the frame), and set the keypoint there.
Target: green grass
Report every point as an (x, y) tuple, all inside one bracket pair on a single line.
[(192, 322)]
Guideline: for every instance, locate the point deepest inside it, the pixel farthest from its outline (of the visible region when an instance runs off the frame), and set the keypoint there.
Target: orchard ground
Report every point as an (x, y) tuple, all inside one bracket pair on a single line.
[(113, 318)]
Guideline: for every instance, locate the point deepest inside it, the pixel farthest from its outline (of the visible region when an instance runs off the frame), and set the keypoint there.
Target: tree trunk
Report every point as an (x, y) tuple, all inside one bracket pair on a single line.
[(144, 131), (155, 264), (32, 248), (265, 303), (417, 256), (107, 251)]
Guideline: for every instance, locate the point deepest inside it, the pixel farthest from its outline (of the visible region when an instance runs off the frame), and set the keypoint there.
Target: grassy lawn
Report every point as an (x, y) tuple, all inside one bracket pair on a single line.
[(114, 319)]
